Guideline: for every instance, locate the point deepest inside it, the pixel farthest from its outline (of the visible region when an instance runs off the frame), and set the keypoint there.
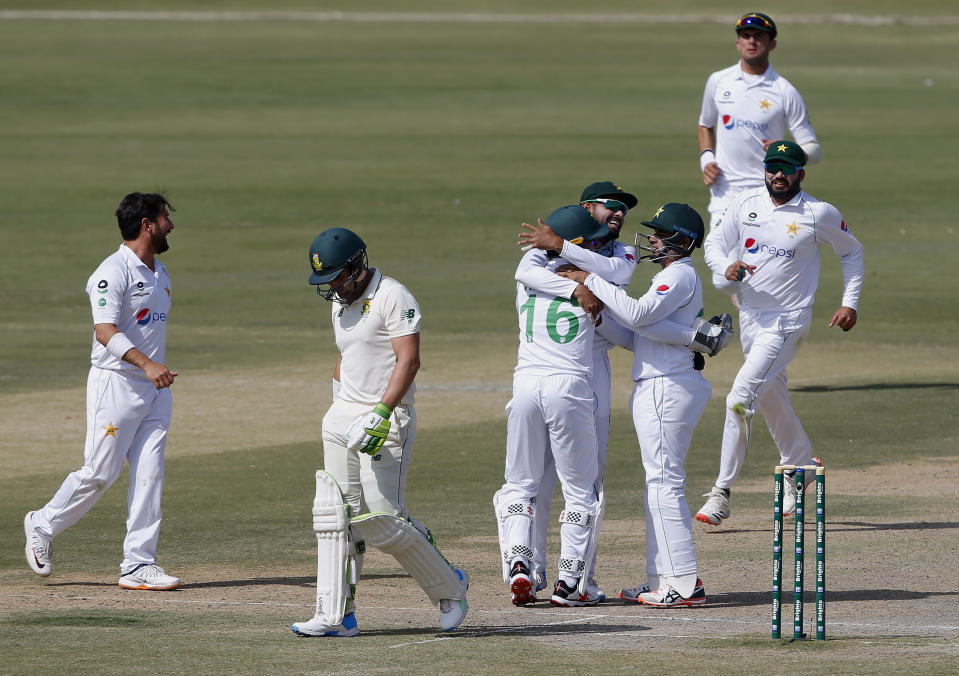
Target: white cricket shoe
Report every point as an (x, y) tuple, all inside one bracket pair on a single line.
[(668, 597), (716, 508), (565, 595), (453, 611), (631, 595), (593, 589), (39, 550), (539, 580), (150, 577), (789, 487), (319, 626)]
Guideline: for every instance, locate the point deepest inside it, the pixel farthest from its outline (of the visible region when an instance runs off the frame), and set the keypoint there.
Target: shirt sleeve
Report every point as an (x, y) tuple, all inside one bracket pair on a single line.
[(719, 247), (617, 269), (106, 287), (708, 113), (659, 302), (402, 313), (668, 331), (532, 272), (797, 119), (832, 229)]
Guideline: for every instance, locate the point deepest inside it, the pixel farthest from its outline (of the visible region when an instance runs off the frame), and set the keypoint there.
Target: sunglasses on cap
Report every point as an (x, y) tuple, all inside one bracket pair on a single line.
[(787, 169), (753, 21), (612, 205)]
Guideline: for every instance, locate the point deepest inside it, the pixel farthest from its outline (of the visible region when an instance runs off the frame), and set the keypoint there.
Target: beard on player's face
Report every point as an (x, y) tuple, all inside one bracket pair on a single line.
[(781, 187)]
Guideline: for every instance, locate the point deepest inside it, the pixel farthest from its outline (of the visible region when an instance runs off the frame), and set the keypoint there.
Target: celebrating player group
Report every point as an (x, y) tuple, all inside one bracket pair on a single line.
[(762, 247)]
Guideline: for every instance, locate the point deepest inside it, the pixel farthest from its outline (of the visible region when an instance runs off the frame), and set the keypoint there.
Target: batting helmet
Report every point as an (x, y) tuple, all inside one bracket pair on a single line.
[(333, 251)]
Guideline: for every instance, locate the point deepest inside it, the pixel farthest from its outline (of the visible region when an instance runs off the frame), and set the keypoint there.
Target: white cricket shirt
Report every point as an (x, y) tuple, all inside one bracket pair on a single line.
[(675, 294), (125, 292), (744, 109), (783, 243), (555, 334), (364, 331)]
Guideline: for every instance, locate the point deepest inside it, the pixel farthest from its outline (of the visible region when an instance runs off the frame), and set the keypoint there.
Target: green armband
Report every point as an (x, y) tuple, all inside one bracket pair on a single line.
[(382, 410)]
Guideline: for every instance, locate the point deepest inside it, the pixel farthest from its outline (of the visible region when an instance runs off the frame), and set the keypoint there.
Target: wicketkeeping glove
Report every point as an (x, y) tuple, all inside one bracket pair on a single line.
[(712, 336), (368, 432)]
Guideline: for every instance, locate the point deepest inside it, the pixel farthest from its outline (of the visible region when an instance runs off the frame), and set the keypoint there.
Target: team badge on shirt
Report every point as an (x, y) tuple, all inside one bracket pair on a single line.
[(662, 289), (792, 230), (764, 104), (366, 308), (111, 431)]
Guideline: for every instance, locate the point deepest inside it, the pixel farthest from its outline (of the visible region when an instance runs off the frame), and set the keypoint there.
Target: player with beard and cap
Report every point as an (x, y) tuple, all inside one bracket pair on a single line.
[(766, 248), (614, 262)]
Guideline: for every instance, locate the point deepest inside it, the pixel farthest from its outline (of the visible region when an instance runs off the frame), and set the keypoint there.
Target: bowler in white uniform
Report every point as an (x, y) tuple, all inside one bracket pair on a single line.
[(128, 398)]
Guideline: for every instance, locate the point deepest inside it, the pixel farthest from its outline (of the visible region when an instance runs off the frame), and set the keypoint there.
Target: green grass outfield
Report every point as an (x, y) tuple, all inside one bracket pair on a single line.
[(434, 141)]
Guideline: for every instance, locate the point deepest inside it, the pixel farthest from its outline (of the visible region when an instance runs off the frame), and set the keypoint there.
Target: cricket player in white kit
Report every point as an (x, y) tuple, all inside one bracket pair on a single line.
[(128, 398), (668, 400), (368, 436), (766, 251), (615, 262), (744, 108), (552, 411)]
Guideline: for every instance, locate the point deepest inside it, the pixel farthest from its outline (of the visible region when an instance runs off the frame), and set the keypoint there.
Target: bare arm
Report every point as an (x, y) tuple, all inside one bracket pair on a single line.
[(158, 373), (407, 351)]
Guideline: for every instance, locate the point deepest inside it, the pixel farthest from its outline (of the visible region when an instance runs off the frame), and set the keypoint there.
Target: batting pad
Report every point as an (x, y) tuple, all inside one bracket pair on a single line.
[(417, 554), (331, 523), (520, 533)]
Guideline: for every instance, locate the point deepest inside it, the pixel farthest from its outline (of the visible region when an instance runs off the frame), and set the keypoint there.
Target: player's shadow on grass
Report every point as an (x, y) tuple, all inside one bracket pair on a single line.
[(764, 598), (908, 525), (875, 386), (306, 581)]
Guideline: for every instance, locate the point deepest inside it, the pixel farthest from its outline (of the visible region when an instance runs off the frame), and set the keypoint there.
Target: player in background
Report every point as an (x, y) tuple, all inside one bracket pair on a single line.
[(744, 108), (614, 262), (368, 436), (668, 400), (766, 251), (128, 398)]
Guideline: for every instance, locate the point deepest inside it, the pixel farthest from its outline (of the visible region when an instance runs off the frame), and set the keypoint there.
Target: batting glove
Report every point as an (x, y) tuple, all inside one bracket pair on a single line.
[(368, 432), (712, 336)]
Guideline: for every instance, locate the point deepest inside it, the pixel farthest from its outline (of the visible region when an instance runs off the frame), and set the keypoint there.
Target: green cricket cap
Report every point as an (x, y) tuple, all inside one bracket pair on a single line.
[(785, 152), (575, 224), (608, 189)]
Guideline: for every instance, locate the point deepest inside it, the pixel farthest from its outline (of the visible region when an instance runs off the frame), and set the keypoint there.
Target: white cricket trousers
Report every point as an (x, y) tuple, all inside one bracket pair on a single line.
[(127, 419), (369, 483), (666, 410), (600, 381), (551, 414), (770, 341)]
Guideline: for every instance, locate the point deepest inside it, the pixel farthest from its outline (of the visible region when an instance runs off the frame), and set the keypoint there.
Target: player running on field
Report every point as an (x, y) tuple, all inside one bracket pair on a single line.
[(766, 251)]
